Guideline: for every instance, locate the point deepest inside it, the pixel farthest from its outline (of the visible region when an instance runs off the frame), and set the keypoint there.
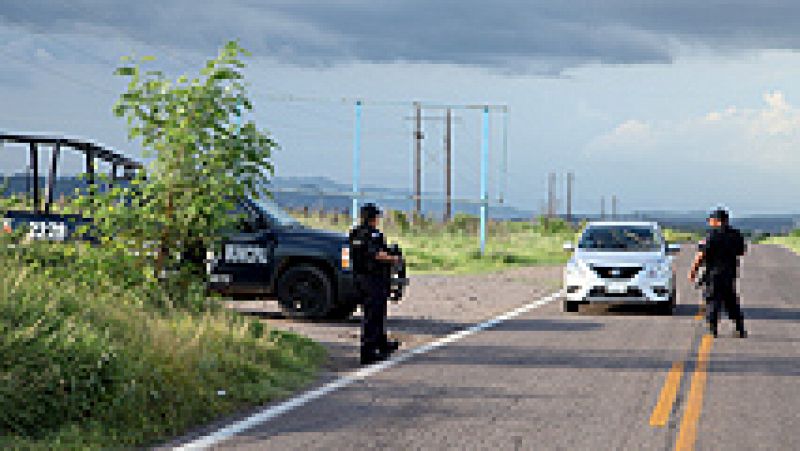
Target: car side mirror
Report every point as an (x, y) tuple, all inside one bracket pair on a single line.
[(569, 247), (673, 248)]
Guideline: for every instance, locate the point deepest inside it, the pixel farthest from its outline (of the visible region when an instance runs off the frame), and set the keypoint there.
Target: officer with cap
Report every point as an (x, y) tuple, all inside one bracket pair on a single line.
[(720, 252), (371, 267)]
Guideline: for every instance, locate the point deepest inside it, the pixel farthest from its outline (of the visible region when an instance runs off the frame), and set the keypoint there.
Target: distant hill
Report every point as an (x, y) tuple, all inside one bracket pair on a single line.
[(320, 193)]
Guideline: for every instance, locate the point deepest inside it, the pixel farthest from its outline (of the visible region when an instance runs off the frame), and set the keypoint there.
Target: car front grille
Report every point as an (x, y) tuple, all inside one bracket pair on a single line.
[(616, 272), (600, 292)]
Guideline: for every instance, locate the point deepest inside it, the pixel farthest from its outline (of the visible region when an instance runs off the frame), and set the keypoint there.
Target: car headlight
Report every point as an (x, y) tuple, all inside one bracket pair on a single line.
[(575, 268)]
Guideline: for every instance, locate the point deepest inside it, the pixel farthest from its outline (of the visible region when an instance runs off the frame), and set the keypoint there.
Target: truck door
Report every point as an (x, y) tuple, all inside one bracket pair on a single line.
[(248, 255)]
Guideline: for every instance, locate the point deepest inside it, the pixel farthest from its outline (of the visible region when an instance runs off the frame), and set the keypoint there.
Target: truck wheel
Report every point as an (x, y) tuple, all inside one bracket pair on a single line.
[(305, 291)]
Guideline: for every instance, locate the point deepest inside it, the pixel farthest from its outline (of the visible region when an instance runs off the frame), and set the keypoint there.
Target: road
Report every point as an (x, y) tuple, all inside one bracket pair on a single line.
[(593, 380)]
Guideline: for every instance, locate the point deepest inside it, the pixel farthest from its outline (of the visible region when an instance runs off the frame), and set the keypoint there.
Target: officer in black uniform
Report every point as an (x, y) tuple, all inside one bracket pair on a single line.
[(720, 252), (371, 268)]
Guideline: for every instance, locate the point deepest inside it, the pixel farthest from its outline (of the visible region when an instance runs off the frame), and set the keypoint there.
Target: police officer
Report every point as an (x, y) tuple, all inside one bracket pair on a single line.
[(719, 252), (371, 268)]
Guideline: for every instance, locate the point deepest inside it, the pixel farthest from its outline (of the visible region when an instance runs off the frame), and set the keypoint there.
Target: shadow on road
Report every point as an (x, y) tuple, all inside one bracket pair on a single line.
[(771, 313), (607, 359), (635, 310)]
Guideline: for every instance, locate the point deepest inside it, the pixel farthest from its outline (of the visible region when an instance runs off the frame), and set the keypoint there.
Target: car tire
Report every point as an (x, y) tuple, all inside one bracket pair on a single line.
[(665, 308), (305, 291), (570, 306)]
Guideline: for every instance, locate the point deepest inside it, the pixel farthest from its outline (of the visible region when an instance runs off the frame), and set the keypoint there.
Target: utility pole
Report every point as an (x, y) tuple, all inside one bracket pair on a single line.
[(614, 207), (602, 207), (570, 177), (551, 195), (418, 159), (448, 172)]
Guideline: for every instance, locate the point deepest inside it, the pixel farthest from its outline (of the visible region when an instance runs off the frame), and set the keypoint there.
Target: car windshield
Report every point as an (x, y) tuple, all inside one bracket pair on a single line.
[(620, 238), (276, 214)]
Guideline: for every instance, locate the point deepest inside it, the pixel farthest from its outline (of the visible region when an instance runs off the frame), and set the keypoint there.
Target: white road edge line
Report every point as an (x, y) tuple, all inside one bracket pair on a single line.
[(271, 412)]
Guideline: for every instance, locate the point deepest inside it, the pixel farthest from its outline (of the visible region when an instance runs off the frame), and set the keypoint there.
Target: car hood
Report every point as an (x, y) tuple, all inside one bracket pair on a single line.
[(619, 258), (314, 234)]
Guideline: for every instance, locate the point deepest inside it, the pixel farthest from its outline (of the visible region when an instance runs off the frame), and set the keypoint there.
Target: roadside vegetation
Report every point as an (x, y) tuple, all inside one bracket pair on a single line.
[(436, 247), (115, 344), (791, 241), (94, 356), (432, 246)]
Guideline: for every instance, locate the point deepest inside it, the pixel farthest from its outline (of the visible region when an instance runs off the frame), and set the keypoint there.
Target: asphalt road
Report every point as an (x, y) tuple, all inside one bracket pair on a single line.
[(593, 380)]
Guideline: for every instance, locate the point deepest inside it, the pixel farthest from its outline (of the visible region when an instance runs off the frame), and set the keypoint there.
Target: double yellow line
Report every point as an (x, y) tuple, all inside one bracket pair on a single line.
[(687, 434), (694, 402)]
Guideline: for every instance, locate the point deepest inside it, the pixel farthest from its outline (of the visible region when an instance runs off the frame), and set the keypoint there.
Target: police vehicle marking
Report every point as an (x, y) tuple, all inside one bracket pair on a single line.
[(47, 230), (243, 253)]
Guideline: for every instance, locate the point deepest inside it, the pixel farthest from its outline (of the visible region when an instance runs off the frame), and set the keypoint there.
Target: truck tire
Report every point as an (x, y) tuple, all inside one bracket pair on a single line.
[(305, 291)]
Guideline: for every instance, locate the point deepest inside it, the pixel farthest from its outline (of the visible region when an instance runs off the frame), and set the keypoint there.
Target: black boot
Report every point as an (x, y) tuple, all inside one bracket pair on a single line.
[(712, 329), (740, 330), (372, 355), (390, 346)]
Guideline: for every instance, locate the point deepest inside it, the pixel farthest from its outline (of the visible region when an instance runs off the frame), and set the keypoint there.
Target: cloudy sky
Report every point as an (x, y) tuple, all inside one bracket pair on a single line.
[(668, 104)]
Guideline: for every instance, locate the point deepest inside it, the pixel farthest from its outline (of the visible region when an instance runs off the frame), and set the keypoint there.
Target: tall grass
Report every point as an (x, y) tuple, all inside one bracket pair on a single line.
[(95, 358), (453, 247)]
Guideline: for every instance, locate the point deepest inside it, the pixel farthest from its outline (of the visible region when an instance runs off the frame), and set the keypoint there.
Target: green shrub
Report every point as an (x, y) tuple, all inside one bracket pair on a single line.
[(92, 358)]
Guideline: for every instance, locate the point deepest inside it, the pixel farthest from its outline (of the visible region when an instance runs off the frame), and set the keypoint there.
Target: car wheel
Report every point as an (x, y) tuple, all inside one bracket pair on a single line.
[(305, 291), (665, 307), (570, 306)]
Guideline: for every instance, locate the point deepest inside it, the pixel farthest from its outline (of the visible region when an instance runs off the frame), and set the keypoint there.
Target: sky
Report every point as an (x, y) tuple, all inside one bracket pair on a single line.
[(668, 105)]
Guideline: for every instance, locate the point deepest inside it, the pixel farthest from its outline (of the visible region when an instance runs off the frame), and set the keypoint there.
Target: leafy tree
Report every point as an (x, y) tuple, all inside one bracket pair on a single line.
[(203, 159)]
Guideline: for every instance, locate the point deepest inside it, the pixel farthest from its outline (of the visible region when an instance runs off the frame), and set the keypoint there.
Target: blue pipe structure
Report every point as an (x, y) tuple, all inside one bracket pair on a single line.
[(484, 176), (356, 160)]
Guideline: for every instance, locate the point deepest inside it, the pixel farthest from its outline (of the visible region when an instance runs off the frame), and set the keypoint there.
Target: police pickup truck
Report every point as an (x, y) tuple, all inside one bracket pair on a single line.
[(268, 254), (272, 255)]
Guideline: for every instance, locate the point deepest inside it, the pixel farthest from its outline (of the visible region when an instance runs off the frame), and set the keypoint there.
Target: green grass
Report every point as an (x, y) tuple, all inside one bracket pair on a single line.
[(791, 241), (678, 236), (454, 248), (94, 357)]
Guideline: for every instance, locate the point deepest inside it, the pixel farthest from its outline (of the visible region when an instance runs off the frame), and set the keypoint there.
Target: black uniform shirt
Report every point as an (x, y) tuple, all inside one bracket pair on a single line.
[(366, 242), (722, 248)]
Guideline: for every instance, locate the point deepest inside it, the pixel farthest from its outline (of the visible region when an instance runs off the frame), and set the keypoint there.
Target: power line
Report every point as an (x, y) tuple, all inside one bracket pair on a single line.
[(63, 75)]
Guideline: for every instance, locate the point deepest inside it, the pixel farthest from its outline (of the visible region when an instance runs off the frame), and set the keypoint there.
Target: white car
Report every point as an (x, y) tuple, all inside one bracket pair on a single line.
[(621, 262)]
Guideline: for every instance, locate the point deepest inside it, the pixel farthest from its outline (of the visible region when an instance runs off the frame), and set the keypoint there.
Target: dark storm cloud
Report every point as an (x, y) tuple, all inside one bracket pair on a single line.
[(509, 34)]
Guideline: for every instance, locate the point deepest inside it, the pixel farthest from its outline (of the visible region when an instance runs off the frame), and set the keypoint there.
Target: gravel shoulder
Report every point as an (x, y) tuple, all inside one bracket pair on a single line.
[(433, 306)]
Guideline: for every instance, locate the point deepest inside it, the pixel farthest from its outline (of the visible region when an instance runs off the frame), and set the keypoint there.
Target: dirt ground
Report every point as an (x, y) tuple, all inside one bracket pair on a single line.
[(433, 306)]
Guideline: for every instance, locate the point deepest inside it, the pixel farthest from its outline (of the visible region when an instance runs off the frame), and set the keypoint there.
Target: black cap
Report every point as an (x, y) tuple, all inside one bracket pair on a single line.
[(370, 211), (719, 213)]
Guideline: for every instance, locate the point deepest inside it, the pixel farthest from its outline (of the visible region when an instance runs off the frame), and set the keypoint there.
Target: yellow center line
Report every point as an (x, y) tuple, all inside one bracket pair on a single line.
[(667, 397), (694, 404)]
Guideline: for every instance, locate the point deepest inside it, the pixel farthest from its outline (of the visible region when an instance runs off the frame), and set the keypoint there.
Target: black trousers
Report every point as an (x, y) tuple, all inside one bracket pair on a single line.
[(375, 290), (721, 293)]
